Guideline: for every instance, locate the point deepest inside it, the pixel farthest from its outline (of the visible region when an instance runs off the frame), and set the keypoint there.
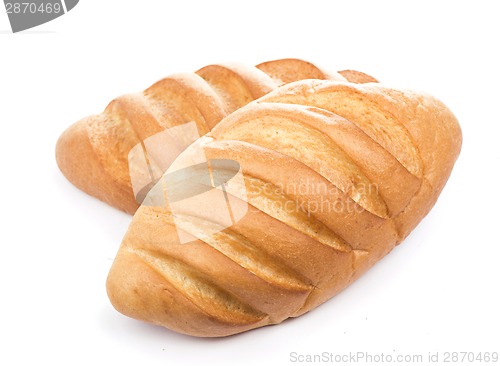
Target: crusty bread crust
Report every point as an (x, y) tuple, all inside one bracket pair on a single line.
[(285, 256)]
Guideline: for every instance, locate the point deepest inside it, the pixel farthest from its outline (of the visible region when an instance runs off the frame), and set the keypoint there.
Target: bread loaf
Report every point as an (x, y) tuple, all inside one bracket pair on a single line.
[(103, 154), (320, 179)]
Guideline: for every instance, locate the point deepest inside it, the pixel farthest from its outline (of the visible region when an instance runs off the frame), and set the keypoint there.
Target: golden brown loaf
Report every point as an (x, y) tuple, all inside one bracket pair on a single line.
[(94, 153), (335, 175)]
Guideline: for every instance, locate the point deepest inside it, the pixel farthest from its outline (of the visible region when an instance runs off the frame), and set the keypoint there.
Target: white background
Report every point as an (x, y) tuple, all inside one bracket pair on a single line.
[(437, 292)]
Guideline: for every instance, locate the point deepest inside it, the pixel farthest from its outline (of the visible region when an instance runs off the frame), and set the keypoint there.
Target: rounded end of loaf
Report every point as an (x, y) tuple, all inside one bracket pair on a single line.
[(79, 163), (140, 293), (151, 284)]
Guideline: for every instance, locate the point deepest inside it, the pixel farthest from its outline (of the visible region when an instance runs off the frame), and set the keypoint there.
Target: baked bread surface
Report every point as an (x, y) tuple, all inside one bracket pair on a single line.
[(333, 175)]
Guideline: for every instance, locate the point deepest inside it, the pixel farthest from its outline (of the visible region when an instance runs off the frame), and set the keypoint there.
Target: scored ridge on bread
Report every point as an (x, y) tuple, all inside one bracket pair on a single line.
[(351, 102)]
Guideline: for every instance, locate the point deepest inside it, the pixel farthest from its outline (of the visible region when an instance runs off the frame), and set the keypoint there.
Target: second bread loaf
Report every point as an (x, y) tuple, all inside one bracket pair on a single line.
[(104, 153)]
